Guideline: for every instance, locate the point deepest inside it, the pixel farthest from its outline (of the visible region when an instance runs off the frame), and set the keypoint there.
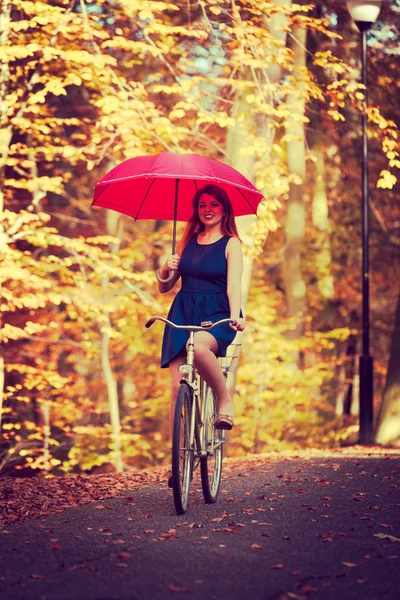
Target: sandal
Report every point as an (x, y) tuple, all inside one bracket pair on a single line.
[(224, 422)]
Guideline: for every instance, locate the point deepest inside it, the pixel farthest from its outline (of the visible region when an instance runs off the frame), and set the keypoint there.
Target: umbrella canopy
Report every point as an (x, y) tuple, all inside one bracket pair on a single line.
[(162, 186)]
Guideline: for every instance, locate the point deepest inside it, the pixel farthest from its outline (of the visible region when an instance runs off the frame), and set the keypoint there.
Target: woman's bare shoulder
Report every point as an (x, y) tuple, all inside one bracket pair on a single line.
[(234, 244)]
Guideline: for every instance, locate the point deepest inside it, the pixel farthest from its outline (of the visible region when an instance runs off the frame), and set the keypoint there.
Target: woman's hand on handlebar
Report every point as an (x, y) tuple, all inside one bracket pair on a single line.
[(240, 324)]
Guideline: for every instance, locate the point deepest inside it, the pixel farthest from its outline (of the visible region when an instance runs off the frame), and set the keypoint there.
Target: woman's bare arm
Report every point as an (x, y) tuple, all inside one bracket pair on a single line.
[(234, 257)]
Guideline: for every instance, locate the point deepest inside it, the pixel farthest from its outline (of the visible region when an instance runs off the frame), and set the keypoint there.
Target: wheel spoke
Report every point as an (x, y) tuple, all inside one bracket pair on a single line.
[(181, 456), (212, 463)]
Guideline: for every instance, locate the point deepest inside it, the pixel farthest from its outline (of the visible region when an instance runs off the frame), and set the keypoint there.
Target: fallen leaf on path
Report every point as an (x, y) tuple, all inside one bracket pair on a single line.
[(306, 587), (36, 576), (78, 566), (386, 536), (278, 566), (177, 588), (124, 555), (349, 564), (122, 565), (256, 546)]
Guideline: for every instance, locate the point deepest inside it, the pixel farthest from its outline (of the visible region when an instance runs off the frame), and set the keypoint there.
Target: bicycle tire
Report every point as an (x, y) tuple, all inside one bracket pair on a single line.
[(182, 454), (211, 465)]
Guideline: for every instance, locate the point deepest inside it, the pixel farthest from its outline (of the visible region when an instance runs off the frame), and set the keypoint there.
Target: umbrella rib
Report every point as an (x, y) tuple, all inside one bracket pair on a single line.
[(145, 196), (240, 191), (103, 190)]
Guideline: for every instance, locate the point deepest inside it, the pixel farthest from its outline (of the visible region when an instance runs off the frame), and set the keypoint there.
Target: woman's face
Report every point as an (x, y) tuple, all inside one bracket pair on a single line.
[(210, 210)]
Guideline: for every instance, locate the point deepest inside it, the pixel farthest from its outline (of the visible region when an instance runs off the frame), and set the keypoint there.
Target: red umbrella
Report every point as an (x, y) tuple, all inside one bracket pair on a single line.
[(162, 186)]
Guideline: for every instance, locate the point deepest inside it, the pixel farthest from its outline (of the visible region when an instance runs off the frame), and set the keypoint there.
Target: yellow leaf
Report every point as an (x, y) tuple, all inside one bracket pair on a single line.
[(386, 181)]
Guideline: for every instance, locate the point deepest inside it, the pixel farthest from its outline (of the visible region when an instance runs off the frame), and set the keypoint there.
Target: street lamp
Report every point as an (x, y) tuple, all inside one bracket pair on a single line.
[(364, 13)]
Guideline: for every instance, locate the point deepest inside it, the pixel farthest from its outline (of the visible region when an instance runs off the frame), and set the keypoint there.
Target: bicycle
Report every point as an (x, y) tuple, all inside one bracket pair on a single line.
[(194, 436)]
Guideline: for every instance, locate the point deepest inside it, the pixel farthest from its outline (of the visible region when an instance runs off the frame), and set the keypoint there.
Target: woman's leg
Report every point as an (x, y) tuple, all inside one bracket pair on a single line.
[(209, 368), (176, 377)]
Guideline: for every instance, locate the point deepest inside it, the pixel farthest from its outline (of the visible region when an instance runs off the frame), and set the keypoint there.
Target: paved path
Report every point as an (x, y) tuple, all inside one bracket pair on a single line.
[(287, 529)]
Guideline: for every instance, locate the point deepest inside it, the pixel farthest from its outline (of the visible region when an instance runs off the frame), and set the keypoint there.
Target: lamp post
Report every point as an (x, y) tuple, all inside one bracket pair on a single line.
[(364, 13)]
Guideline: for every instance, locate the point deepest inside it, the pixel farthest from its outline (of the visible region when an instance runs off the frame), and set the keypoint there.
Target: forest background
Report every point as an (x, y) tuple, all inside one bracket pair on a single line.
[(272, 88)]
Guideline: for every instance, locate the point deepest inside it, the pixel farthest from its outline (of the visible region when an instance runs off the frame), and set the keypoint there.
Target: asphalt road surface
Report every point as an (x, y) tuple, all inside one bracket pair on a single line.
[(290, 528)]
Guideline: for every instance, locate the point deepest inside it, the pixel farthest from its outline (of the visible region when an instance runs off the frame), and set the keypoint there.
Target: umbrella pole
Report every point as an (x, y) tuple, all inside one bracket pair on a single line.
[(175, 215), (171, 273)]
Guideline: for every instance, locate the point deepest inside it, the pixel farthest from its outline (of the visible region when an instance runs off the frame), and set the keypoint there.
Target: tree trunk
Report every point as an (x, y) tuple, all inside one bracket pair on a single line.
[(319, 208), (46, 435), (5, 139), (295, 290), (248, 124), (114, 227), (388, 431), (2, 379), (5, 132)]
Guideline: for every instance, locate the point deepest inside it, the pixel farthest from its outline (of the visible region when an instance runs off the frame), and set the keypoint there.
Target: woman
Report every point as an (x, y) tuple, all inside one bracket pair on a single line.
[(209, 260)]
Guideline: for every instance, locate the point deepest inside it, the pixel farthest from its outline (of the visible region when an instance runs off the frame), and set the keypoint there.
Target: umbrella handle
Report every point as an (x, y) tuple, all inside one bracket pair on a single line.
[(161, 280)]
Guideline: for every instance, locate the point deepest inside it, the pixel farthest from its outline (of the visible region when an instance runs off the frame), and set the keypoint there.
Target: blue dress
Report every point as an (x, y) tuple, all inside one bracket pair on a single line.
[(203, 297)]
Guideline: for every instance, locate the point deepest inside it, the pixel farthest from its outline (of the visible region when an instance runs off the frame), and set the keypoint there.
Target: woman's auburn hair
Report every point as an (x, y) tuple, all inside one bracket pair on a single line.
[(195, 226)]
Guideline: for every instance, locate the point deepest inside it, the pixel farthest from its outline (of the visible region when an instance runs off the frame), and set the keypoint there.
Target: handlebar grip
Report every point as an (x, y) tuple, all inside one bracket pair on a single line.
[(150, 322)]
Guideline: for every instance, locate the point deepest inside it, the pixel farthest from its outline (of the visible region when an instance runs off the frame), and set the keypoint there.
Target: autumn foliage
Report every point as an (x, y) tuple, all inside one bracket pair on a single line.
[(87, 84)]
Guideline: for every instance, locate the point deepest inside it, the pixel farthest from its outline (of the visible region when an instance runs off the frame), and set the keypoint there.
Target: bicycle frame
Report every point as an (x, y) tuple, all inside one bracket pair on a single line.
[(198, 385)]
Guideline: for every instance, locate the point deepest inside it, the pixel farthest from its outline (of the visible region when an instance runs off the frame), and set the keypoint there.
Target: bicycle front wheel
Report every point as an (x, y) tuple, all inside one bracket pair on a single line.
[(211, 465), (182, 453)]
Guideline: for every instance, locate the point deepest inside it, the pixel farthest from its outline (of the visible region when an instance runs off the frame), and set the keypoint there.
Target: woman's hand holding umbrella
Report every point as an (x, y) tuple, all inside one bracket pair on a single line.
[(172, 262), (167, 271)]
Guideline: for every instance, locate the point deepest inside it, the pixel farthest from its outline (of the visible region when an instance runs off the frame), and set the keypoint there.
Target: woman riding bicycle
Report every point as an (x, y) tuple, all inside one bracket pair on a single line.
[(209, 259)]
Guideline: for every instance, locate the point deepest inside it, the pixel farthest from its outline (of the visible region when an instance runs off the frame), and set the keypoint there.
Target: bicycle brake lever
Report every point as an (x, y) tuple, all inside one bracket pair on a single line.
[(150, 322), (206, 323)]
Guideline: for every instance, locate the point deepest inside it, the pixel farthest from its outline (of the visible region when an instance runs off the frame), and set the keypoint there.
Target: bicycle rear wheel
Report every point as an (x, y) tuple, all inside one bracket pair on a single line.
[(211, 465), (182, 454)]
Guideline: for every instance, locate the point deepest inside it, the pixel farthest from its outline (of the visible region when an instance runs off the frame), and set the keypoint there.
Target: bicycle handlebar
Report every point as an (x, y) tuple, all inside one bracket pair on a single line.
[(204, 326)]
